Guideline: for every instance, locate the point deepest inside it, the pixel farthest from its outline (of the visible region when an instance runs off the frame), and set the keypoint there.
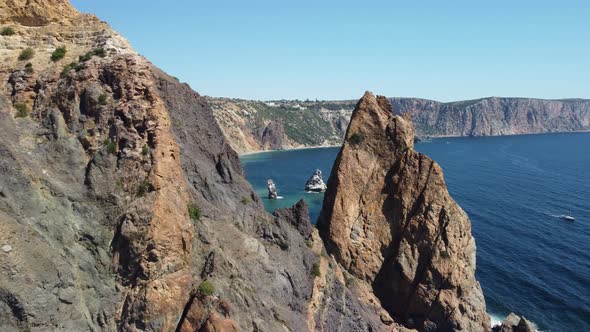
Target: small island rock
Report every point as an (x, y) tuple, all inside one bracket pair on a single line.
[(272, 189), (315, 182)]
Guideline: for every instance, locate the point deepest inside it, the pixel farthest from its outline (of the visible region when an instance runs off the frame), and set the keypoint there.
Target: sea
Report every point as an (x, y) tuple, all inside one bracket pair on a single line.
[(515, 190)]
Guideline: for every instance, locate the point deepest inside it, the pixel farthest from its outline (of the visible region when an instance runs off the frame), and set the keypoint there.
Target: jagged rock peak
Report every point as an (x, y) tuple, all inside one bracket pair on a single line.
[(388, 218), (36, 12)]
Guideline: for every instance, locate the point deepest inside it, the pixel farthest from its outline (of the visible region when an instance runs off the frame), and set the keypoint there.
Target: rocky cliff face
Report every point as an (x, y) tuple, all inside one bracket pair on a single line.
[(389, 220), (495, 116), (481, 117), (122, 206), (258, 126)]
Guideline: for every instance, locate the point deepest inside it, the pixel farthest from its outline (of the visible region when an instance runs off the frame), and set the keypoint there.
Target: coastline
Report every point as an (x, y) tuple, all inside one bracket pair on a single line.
[(290, 149), (430, 137)]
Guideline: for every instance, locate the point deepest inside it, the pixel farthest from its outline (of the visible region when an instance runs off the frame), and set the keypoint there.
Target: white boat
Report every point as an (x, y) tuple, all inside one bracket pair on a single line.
[(567, 218)]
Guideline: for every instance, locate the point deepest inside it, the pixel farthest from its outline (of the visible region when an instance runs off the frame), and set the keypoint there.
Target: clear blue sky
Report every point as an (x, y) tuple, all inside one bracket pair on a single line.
[(443, 50)]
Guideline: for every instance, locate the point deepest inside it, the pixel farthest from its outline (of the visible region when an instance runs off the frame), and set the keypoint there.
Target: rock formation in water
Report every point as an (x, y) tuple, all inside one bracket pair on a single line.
[(389, 220), (515, 323), (123, 208), (316, 182), (272, 189), (314, 123)]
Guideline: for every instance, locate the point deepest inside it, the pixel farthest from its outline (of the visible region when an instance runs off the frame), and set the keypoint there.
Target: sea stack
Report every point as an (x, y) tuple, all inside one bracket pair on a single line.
[(316, 182), (389, 219), (272, 189)]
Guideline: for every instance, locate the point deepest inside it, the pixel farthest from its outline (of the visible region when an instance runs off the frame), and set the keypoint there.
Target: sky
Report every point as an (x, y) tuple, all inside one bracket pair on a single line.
[(442, 50)]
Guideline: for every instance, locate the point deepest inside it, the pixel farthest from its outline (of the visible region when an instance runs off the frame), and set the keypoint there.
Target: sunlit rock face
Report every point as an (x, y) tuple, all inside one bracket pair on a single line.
[(388, 219)]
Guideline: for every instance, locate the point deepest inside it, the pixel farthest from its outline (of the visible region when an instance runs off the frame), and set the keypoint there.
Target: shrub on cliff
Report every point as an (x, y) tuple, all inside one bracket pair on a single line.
[(102, 99), (29, 68), (206, 288), (111, 146), (26, 54), (194, 212), (143, 188), (315, 270), (245, 200), (99, 52), (21, 110), (356, 138), (58, 54), (7, 31)]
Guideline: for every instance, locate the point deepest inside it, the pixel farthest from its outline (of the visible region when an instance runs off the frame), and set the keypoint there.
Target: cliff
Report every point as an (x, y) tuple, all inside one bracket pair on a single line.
[(389, 220), (257, 126), (495, 116), (315, 123), (122, 206)]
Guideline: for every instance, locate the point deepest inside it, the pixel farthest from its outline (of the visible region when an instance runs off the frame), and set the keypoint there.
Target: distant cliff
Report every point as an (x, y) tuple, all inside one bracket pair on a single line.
[(495, 116), (257, 126)]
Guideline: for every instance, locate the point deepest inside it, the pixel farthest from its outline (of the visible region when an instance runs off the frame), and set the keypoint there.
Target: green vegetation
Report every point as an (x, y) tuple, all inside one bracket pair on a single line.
[(7, 31), (308, 243), (58, 54), (85, 57), (356, 138), (315, 270), (66, 71), (206, 288), (26, 54), (143, 188), (246, 200), (111, 146), (309, 123), (97, 51), (350, 280), (21, 110), (194, 212), (145, 150), (29, 68), (102, 99), (73, 65)]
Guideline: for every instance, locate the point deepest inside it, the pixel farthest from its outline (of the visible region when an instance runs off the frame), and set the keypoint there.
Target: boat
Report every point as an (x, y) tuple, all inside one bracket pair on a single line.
[(567, 218)]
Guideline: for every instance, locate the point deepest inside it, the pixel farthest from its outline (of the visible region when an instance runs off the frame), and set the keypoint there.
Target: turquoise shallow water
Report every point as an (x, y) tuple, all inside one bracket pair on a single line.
[(514, 188)]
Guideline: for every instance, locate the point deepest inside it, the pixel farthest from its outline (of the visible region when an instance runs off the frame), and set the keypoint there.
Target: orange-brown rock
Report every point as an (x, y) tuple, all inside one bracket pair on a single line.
[(389, 219), (36, 12)]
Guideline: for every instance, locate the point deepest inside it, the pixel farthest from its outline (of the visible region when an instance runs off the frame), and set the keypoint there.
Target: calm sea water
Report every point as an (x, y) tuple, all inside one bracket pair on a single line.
[(514, 189)]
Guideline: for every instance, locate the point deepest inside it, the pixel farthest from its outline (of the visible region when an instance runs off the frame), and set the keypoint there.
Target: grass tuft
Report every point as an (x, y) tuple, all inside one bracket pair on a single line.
[(206, 288), (194, 212), (58, 54), (21, 110), (26, 54), (7, 31)]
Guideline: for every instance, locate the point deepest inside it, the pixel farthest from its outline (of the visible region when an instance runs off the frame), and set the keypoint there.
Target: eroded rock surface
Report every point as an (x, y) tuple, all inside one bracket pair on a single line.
[(389, 220)]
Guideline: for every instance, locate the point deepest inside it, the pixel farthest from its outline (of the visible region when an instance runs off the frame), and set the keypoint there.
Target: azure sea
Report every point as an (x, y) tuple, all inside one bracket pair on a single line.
[(514, 189)]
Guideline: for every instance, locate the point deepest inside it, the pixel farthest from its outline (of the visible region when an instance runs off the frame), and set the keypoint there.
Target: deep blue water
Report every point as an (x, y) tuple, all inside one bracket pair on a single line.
[(514, 188)]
